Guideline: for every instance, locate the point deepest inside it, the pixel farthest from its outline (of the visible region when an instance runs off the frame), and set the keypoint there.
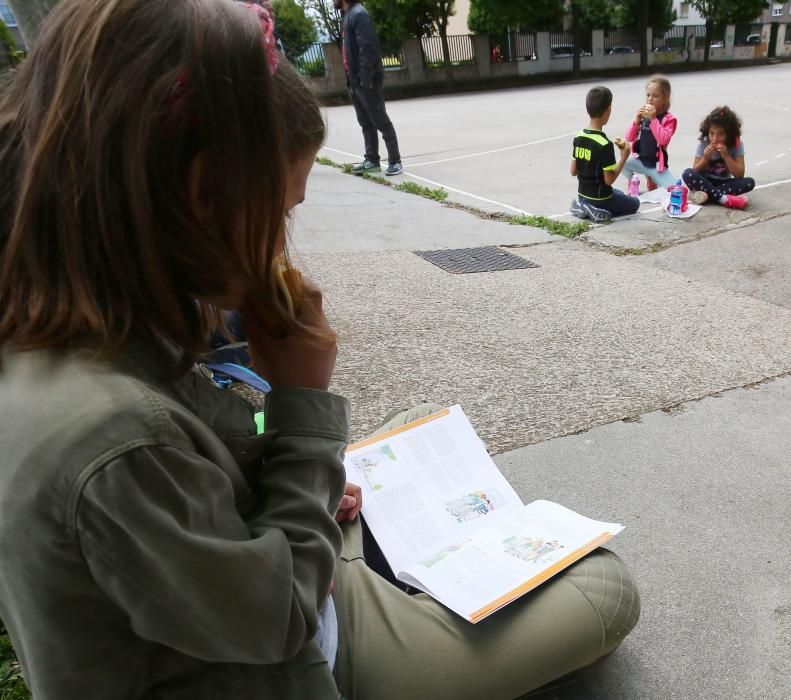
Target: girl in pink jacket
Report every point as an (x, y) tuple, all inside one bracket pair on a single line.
[(649, 135)]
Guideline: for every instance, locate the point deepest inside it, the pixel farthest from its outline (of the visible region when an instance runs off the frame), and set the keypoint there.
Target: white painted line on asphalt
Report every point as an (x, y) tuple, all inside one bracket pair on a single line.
[(760, 162), (496, 150), (773, 184), (468, 194), (780, 155), (439, 184), (343, 153)]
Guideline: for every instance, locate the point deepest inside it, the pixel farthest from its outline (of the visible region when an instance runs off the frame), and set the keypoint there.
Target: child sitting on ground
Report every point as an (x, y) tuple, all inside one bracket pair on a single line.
[(594, 165), (154, 543), (717, 174), (650, 134)]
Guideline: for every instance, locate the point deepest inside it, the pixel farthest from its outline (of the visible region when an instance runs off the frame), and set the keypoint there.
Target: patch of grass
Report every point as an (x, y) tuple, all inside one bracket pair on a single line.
[(559, 228), (438, 195), (12, 685), (375, 178)]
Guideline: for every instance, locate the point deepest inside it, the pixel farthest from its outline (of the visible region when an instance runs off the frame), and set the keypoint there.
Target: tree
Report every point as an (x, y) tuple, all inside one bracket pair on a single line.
[(8, 45), (294, 27), (326, 18), (29, 15), (397, 20), (718, 13), (496, 16), (661, 14), (440, 12), (597, 14)]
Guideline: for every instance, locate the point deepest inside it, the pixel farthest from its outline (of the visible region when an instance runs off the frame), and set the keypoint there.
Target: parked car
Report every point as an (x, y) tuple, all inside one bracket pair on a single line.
[(621, 49), (753, 39), (566, 51), (663, 49), (716, 45)]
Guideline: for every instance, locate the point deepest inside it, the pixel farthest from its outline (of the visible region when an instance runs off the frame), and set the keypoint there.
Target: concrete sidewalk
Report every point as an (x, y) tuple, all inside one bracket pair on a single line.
[(652, 228), (574, 348)]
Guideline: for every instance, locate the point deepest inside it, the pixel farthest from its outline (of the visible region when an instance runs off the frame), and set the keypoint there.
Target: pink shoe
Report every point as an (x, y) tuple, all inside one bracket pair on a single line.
[(736, 201)]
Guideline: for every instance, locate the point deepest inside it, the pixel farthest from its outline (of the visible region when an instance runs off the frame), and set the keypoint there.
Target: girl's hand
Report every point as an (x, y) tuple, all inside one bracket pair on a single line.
[(649, 111), (286, 360), (710, 150), (639, 116), (351, 503)]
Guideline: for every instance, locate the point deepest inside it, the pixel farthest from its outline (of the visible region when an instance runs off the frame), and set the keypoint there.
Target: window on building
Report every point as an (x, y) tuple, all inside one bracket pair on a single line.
[(6, 15), (777, 10), (683, 10)]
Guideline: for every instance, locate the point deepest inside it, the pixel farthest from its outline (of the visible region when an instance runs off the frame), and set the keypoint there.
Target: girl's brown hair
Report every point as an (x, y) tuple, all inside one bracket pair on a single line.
[(725, 118), (98, 239), (663, 83)]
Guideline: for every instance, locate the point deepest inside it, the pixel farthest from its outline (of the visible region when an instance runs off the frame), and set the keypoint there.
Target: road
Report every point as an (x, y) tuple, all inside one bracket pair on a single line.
[(509, 150)]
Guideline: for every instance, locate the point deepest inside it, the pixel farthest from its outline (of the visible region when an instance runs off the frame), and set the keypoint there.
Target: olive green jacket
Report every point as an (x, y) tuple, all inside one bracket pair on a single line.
[(151, 544)]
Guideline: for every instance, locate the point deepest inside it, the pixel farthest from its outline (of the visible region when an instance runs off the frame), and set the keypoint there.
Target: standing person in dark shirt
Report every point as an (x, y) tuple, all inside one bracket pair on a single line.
[(593, 164), (362, 59)]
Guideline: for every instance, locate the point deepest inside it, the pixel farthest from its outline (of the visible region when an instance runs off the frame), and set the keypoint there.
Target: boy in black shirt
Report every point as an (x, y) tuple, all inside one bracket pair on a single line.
[(593, 163)]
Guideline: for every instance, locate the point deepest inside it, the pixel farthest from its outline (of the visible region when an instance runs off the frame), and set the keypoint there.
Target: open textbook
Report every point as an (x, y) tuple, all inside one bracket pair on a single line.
[(450, 524)]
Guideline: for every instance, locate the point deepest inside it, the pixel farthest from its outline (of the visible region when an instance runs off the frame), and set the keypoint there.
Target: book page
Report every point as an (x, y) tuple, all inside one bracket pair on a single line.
[(498, 565), (428, 485)]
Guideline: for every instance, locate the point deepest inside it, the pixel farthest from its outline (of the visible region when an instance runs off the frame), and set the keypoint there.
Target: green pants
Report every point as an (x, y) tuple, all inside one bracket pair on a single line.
[(401, 647)]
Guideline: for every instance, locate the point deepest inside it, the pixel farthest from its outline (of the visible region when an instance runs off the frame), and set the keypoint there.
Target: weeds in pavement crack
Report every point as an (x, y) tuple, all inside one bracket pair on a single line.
[(438, 195), (559, 228)]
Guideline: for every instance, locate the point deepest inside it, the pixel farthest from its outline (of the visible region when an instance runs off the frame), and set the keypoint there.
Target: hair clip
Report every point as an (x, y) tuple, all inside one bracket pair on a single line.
[(267, 22), (176, 98)]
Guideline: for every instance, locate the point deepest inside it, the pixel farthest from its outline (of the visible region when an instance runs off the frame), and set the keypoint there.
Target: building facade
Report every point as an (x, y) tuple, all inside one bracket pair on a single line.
[(457, 24)]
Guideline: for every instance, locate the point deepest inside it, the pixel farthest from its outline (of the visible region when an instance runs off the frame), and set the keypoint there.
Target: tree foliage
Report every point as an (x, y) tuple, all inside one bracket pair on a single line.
[(494, 16), (294, 27), (9, 45), (722, 12), (661, 14), (325, 17)]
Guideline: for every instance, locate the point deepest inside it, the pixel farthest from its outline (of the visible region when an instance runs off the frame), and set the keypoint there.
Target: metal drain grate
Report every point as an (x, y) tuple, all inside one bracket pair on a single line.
[(486, 259)]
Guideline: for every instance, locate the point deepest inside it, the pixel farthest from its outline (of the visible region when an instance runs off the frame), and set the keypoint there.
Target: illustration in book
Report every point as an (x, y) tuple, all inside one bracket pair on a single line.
[(473, 504), (439, 556), (533, 550), (373, 465)]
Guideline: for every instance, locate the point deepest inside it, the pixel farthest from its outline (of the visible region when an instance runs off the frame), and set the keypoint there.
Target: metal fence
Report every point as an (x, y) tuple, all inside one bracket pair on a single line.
[(561, 45), (672, 39), (311, 62), (513, 46), (394, 61), (620, 41), (460, 48), (717, 40), (747, 34), (788, 34)]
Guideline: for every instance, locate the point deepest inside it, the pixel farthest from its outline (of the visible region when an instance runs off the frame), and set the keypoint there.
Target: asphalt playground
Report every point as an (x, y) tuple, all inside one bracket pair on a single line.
[(640, 374), (509, 150)]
